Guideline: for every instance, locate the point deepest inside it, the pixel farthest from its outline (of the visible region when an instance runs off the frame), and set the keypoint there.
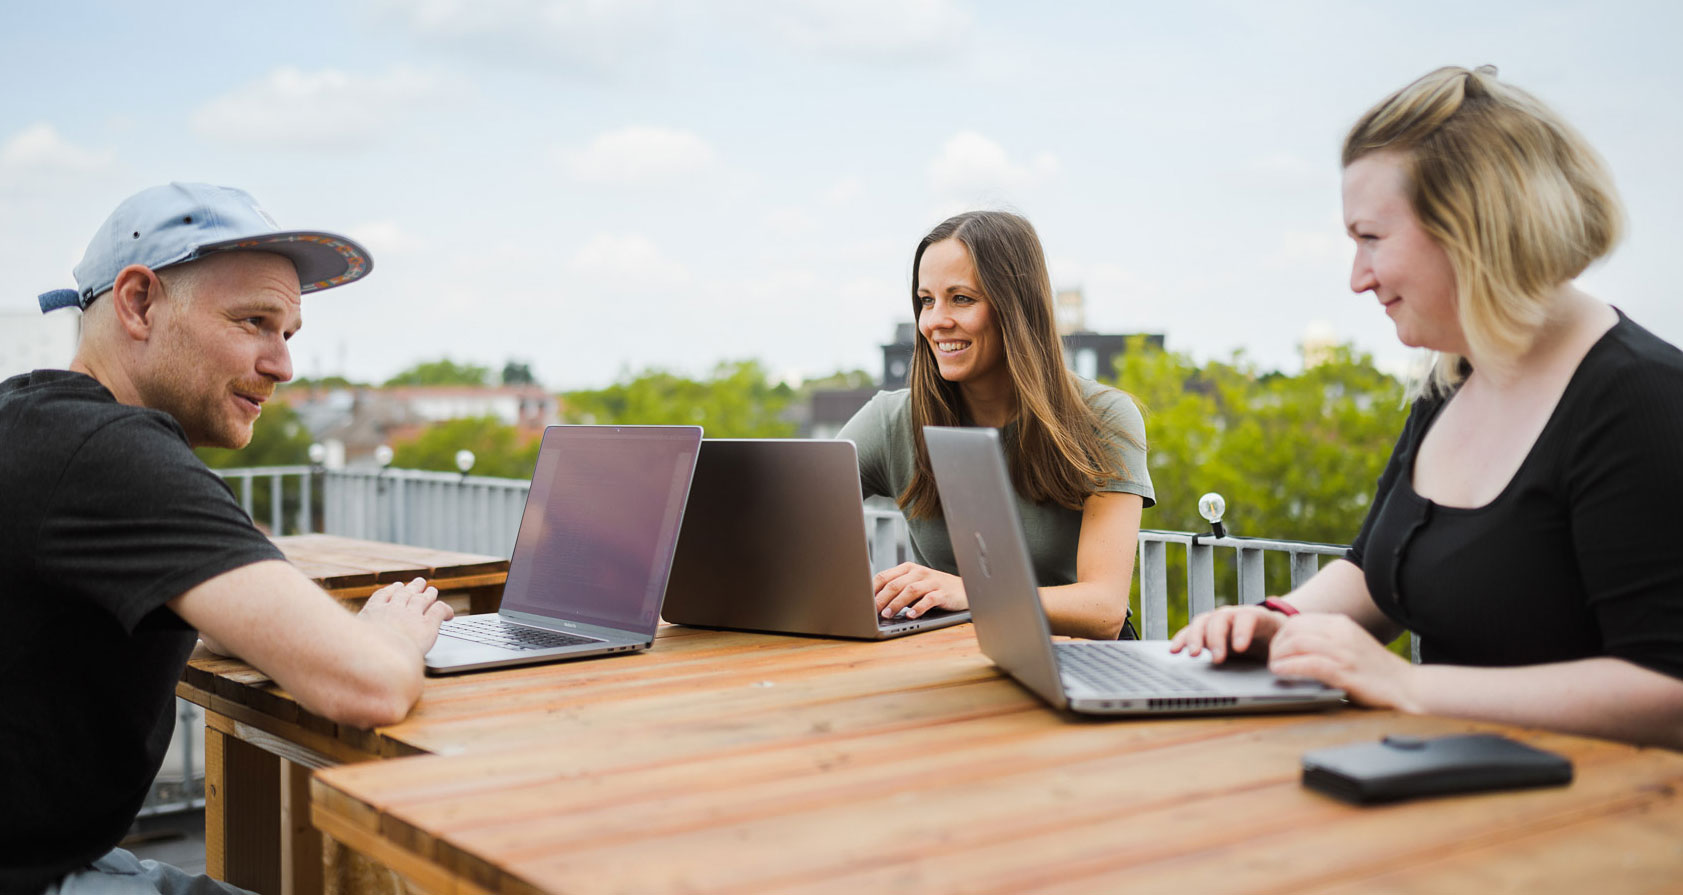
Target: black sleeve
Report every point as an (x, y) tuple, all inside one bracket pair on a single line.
[(1419, 415), (1625, 484), (136, 521)]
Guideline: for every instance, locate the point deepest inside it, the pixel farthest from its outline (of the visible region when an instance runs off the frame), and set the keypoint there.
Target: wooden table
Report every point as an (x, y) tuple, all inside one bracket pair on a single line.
[(259, 746), (351, 569), (725, 762)]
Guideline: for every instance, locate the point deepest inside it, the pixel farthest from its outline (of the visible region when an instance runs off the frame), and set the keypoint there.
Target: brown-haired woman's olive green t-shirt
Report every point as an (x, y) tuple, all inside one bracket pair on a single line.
[(882, 432)]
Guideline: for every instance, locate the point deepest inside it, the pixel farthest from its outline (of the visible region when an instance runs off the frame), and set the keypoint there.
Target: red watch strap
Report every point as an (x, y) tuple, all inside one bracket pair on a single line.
[(1280, 606)]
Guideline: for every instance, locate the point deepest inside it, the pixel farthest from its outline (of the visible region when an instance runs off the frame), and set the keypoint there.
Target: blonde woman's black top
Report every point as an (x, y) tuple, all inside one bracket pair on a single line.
[(1580, 555)]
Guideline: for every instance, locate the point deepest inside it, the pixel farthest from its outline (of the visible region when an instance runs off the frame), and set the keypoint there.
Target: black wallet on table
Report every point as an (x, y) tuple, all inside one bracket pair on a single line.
[(1402, 767)]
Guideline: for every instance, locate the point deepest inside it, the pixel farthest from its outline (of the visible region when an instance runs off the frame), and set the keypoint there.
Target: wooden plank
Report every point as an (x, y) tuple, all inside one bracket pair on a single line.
[(216, 808), (389, 562), (420, 874), (1088, 826), (301, 846), (242, 813), (1634, 851)]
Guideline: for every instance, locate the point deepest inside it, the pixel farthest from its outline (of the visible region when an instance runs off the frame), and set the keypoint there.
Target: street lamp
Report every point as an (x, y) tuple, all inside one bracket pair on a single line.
[(464, 461)]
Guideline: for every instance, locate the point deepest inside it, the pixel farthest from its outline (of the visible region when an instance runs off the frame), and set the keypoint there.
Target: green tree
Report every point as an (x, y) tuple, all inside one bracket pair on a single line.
[(278, 439), (737, 402), (499, 449), (1296, 456), (305, 382), (841, 379), (518, 374), (442, 372)]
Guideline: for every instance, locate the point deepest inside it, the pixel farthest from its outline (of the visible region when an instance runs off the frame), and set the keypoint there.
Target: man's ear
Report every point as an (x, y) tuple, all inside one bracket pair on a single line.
[(134, 298)]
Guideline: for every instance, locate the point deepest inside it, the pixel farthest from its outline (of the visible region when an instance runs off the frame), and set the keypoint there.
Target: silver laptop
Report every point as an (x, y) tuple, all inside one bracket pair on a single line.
[(594, 551), (1107, 677), (774, 540)]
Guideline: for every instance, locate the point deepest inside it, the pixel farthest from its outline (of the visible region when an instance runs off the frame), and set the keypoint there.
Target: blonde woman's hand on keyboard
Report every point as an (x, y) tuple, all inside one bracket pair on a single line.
[(1239, 630), (917, 589)]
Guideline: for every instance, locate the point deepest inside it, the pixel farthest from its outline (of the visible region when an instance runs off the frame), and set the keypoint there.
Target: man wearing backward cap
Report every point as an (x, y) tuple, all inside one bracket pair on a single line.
[(119, 549)]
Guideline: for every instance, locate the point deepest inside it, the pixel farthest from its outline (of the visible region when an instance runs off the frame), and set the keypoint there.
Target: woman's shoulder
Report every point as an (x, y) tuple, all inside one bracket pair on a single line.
[(1630, 365), (1114, 407), (885, 411), (887, 406)]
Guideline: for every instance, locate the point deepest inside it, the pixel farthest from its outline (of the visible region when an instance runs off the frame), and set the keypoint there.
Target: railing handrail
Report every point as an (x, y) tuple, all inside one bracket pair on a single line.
[(1186, 537)]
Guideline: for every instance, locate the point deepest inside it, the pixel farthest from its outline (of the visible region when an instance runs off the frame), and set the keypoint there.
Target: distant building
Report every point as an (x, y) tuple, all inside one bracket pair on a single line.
[(352, 422), (1091, 355), (33, 341)]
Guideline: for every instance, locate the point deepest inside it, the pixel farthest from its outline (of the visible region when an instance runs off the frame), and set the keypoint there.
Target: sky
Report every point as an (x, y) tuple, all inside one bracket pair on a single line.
[(597, 188)]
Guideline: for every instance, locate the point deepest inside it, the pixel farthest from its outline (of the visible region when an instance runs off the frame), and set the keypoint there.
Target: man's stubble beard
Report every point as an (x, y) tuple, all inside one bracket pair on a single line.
[(172, 388)]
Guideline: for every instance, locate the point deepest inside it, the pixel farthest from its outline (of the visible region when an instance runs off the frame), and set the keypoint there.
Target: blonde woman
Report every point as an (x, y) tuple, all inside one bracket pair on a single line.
[(1527, 527), (988, 354)]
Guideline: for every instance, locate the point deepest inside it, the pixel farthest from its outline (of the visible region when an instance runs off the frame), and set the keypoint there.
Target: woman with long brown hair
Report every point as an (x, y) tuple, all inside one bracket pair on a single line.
[(988, 354)]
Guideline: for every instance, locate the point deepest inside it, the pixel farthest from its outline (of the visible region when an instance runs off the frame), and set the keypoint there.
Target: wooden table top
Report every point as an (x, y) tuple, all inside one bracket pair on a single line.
[(726, 762), (352, 567)]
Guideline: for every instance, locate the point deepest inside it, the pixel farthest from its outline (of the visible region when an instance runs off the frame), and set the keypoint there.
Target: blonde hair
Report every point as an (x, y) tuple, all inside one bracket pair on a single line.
[(1518, 200)]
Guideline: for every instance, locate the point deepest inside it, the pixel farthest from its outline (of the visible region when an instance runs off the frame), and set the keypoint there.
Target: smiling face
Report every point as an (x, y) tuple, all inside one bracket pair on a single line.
[(1396, 259), (956, 319), (219, 347)]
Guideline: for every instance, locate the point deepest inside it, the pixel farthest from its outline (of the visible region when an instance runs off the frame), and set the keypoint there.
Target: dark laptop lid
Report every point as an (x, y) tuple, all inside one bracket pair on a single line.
[(601, 523)]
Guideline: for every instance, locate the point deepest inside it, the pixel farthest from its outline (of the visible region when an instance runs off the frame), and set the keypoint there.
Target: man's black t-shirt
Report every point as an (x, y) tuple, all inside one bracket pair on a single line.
[(105, 515), (1578, 556)]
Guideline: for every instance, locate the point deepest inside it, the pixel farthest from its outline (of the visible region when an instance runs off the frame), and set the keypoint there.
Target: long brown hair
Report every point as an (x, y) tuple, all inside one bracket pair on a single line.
[(1059, 453)]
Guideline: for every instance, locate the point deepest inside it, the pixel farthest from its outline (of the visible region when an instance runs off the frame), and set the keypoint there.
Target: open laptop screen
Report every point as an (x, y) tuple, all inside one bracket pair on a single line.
[(601, 523)]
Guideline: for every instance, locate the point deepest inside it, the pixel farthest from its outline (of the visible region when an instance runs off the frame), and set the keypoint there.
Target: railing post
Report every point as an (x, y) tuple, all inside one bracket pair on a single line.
[(1154, 590), (305, 499), (245, 495), (276, 505), (1200, 578), (1252, 582), (1304, 565)]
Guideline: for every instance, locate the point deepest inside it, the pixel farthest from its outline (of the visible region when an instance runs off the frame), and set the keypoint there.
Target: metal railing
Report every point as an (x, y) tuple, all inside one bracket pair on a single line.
[(442, 510), (282, 482), (1250, 556)]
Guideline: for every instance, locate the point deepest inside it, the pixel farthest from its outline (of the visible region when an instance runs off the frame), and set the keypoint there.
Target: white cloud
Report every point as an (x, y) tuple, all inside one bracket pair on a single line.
[(790, 220), (970, 164), (844, 191), (1310, 249), (873, 30), (588, 35), (1285, 167), (386, 237), (639, 155), (40, 148), (328, 110), (627, 262)]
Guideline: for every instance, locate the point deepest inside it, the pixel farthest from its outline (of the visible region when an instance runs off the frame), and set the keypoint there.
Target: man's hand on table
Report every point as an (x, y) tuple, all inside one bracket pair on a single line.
[(411, 609)]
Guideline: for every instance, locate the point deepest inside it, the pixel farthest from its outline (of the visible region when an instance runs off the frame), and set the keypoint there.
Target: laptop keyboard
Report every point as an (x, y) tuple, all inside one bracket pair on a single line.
[(492, 630), (1106, 669)]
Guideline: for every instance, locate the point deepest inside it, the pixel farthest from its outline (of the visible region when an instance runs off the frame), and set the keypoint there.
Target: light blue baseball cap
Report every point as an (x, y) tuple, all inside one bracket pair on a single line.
[(181, 222)]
